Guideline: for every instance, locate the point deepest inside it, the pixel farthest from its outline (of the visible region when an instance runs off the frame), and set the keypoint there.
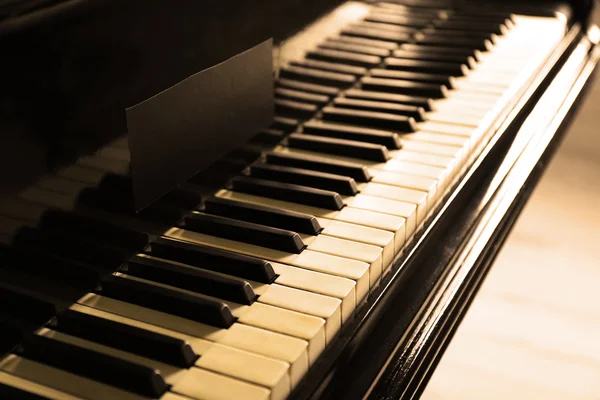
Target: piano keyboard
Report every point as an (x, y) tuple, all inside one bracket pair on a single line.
[(377, 118)]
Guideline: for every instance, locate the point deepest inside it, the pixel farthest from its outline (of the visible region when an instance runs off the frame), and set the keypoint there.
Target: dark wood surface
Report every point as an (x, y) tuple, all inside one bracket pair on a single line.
[(532, 330)]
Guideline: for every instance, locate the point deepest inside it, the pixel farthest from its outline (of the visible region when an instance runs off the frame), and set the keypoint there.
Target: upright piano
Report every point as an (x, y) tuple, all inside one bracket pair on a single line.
[(331, 253)]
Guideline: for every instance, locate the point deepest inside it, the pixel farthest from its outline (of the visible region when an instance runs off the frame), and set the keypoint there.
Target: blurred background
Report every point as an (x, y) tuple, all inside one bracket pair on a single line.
[(533, 331)]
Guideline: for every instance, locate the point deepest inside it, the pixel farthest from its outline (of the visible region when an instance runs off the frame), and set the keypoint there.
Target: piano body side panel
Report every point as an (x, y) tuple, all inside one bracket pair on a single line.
[(390, 316), (414, 360)]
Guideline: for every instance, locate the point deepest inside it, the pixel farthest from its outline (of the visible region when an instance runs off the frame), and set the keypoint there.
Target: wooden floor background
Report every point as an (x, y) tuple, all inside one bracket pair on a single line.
[(533, 331)]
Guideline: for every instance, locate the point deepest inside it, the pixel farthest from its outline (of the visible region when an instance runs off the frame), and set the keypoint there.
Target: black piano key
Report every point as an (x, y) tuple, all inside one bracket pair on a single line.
[(320, 180), (373, 43), (344, 57), (285, 124), (417, 21), (192, 279), (101, 199), (319, 77), (423, 102), (328, 91), (125, 337), (432, 67), (42, 264), (213, 259), (295, 109), (417, 113), (267, 137), (277, 218), (468, 60), (397, 86), (14, 393), (439, 39), (491, 27), (377, 34), (10, 335), (371, 119), (358, 172), (296, 95), (161, 213), (354, 48), (438, 79), (331, 67), (93, 229), (289, 192), (391, 140), (70, 247), (247, 153), (441, 50), (24, 305), (94, 365), (181, 198), (174, 302), (241, 231), (341, 147)]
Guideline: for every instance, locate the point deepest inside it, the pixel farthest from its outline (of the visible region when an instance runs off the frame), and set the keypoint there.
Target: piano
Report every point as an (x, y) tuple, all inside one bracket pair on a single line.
[(332, 255)]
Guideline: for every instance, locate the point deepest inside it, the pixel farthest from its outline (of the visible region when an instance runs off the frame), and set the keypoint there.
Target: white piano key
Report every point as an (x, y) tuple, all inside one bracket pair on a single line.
[(205, 385), (328, 308), (440, 138), (35, 388), (450, 117), (378, 220), (448, 128), (373, 255), (449, 163), (63, 381), (406, 167), (320, 262), (433, 148), (289, 323), (273, 345), (315, 282), (417, 197), (362, 234), (248, 367), (428, 185), (387, 206)]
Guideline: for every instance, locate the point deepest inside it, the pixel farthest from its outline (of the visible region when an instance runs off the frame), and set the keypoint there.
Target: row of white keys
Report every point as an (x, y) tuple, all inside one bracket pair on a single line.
[(26, 385), (285, 300), (258, 370), (428, 185), (269, 377), (449, 138), (357, 271), (236, 352), (373, 255), (353, 224), (311, 282)]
